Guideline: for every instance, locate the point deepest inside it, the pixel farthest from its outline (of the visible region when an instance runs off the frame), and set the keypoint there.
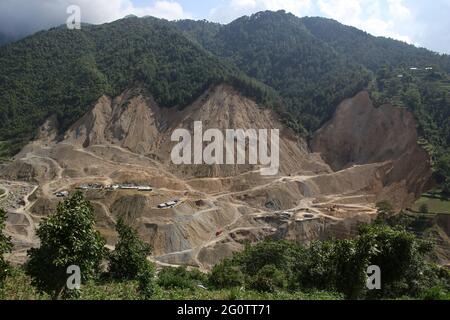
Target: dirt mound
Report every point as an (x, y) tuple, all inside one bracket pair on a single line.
[(361, 134), (130, 120), (20, 170), (224, 108)]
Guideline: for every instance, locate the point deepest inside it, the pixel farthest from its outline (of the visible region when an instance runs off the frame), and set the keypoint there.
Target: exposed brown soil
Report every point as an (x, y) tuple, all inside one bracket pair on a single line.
[(127, 139)]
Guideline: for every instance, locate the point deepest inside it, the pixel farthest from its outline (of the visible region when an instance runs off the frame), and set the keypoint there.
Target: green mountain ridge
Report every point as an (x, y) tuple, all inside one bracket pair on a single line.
[(64, 72), (314, 63), (303, 67), (277, 49)]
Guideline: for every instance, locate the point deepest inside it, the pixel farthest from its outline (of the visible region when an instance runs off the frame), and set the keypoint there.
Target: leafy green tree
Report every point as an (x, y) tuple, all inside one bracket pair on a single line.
[(341, 265), (226, 275), (146, 281), (315, 269), (350, 261), (5, 247), (129, 261), (129, 257), (400, 256), (67, 238)]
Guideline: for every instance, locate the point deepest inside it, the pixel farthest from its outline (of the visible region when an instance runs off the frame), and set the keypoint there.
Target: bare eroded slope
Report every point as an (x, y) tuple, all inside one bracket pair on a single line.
[(127, 139)]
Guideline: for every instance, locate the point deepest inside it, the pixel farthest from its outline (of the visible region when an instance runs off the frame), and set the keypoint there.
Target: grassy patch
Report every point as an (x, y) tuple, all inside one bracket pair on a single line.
[(435, 202), (18, 287)]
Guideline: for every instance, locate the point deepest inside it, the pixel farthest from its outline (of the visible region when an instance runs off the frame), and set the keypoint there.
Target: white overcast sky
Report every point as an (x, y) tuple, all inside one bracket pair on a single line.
[(421, 22)]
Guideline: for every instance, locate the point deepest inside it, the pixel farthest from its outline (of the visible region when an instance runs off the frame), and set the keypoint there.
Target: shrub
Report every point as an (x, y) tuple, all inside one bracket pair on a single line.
[(226, 275), (435, 293), (281, 254), (170, 278), (146, 282), (268, 279)]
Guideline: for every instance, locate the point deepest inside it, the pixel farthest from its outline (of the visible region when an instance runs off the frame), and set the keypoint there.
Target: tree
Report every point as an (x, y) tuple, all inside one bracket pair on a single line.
[(129, 261), (351, 259), (146, 283), (130, 255), (67, 238), (5, 247), (400, 256), (281, 254)]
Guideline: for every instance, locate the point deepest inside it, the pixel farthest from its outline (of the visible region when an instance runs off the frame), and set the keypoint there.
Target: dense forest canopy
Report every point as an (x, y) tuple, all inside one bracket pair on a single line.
[(277, 49), (64, 72), (372, 52), (304, 67)]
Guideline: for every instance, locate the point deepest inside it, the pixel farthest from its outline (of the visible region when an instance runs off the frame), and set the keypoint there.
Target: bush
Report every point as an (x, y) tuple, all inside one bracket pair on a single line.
[(435, 293), (170, 278), (268, 279), (226, 275), (315, 270), (281, 254), (146, 282)]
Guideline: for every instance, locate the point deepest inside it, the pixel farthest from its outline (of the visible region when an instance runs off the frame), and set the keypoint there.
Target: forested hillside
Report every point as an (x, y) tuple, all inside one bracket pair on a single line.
[(314, 63), (63, 72), (302, 66), (277, 49), (372, 52)]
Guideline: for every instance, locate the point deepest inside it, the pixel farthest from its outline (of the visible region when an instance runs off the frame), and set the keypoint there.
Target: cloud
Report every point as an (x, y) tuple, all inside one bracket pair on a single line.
[(388, 18), (21, 17), (431, 24), (236, 8), (380, 18)]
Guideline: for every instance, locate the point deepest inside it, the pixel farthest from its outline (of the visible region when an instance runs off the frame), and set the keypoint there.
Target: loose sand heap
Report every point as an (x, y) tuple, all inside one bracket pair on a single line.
[(363, 155)]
